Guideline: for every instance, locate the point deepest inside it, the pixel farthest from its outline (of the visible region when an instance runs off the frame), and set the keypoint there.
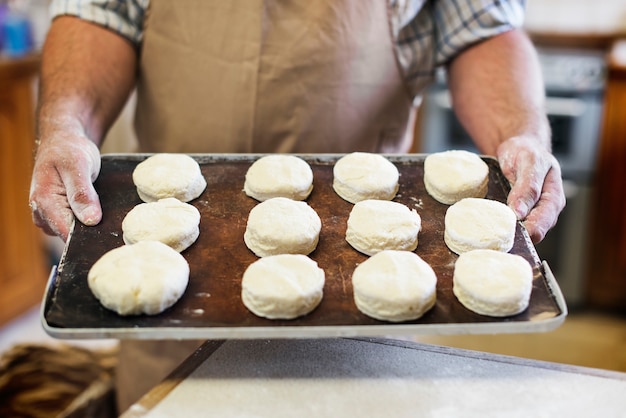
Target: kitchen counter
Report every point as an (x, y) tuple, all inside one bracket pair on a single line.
[(576, 23), (375, 377)]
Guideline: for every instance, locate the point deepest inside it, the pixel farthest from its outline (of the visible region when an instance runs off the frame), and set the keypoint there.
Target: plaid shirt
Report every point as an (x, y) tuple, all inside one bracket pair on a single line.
[(428, 33)]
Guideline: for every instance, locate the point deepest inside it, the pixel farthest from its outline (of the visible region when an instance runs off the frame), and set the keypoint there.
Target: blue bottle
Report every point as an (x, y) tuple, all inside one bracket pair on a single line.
[(16, 35)]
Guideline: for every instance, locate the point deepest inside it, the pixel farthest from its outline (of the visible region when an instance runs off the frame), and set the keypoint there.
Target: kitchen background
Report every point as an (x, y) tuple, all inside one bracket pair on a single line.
[(583, 59)]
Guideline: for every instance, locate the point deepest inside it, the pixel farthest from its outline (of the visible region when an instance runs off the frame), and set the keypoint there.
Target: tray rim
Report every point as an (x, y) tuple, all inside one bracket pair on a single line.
[(327, 331), (321, 331)]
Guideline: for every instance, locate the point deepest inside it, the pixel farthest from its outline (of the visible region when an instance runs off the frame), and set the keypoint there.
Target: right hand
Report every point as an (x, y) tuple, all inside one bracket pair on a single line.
[(66, 165)]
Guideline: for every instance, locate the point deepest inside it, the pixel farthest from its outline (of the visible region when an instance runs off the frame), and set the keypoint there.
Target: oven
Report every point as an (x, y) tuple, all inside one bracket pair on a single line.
[(574, 82)]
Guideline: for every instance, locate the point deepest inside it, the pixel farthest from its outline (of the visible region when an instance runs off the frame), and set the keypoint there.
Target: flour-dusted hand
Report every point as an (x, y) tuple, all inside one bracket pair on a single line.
[(536, 195), (498, 94), (66, 165), (86, 75)]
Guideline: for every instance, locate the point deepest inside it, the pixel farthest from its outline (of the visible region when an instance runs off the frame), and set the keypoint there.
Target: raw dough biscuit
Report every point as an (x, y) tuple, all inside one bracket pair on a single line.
[(450, 176), (361, 176), (282, 286), (377, 225), (147, 277), (473, 223), (492, 283), (167, 220), (394, 286), (168, 175), (279, 176), (282, 226)]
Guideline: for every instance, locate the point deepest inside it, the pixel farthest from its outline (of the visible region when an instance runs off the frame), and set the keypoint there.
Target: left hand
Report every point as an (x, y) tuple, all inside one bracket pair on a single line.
[(536, 196)]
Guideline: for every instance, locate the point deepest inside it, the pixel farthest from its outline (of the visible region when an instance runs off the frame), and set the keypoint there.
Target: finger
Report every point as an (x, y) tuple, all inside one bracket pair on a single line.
[(527, 187), (48, 203), (58, 223), (545, 214), (82, 198), (78, 177), (61, 188)]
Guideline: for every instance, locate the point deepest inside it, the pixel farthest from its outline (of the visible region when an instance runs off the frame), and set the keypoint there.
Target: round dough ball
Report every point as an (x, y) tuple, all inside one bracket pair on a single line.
[(168, 175), (450, 176), (472, 224), (394, 286), (147, 277), (282, 286), (282, 226), (492, 283), (377, 225), (361, 176), (279, 176), (167, 220)]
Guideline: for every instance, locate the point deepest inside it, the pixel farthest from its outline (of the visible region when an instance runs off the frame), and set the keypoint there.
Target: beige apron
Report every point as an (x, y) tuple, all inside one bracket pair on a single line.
[(261, 76), (270, 76)]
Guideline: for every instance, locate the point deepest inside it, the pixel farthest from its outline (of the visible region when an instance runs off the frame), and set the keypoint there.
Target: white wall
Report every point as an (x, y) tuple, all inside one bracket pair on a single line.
[(576, 16)]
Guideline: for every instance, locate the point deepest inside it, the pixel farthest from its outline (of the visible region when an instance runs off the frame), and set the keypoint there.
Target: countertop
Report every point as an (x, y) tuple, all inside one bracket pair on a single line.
[(576, 23), (606, 17), (26, 66), (375, 378)]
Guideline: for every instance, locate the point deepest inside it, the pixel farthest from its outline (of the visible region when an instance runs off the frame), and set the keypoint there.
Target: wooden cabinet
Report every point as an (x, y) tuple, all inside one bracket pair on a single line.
[(606, 278), (23, 266)]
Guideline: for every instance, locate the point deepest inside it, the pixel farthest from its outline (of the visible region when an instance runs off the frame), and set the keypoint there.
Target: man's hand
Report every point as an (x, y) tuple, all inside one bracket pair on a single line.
[(536, 195), (498, 95), (87, 73), (66, 165)]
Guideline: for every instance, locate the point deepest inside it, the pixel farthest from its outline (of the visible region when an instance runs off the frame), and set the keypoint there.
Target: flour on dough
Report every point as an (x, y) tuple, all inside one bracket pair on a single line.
[(492, 283), (168, 175), (282, 226), (377, 225), (361, 176), (169, 220), (394, 286), (450, 176), (143, 278), (473, 223), (282, 286), (279, 175)]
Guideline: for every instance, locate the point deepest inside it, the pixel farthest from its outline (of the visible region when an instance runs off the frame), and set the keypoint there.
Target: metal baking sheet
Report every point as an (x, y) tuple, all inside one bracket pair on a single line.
[(211, 306)]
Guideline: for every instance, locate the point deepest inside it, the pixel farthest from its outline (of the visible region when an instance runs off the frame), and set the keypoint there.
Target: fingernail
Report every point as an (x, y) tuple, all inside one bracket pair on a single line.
[(90, 216), (521, 210)]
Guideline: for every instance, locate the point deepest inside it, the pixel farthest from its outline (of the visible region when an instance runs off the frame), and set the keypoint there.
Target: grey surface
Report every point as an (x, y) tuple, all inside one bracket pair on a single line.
[(376, 378)]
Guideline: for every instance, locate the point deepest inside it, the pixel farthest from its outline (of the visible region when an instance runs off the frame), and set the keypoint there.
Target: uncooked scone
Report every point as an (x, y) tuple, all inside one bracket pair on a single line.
[(282, 286), (147, 277), (361, 176), (450, 176), (279, 176), (377, 225), (492, 283), (170, 221), (282, 226), (168, 175), (472, 224), (394, 286)]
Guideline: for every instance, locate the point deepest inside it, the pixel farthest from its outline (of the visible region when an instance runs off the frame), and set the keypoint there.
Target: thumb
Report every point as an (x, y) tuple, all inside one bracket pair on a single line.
[(85, 203), (81, 195)]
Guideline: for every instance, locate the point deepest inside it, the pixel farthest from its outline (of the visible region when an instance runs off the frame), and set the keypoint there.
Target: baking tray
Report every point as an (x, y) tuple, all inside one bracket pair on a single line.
[(211, 306)]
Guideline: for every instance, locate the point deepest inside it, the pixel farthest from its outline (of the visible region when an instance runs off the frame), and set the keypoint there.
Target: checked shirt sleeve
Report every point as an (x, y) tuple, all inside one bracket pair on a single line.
[(122, 16), (441, 29)]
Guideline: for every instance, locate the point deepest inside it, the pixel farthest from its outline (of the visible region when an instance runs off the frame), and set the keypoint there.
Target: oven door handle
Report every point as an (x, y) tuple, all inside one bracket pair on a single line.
[(570, 107), (565, 106)]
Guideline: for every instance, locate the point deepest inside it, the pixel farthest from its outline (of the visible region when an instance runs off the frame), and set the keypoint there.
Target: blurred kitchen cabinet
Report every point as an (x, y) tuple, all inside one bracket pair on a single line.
[(606, 282), (22, 253)]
